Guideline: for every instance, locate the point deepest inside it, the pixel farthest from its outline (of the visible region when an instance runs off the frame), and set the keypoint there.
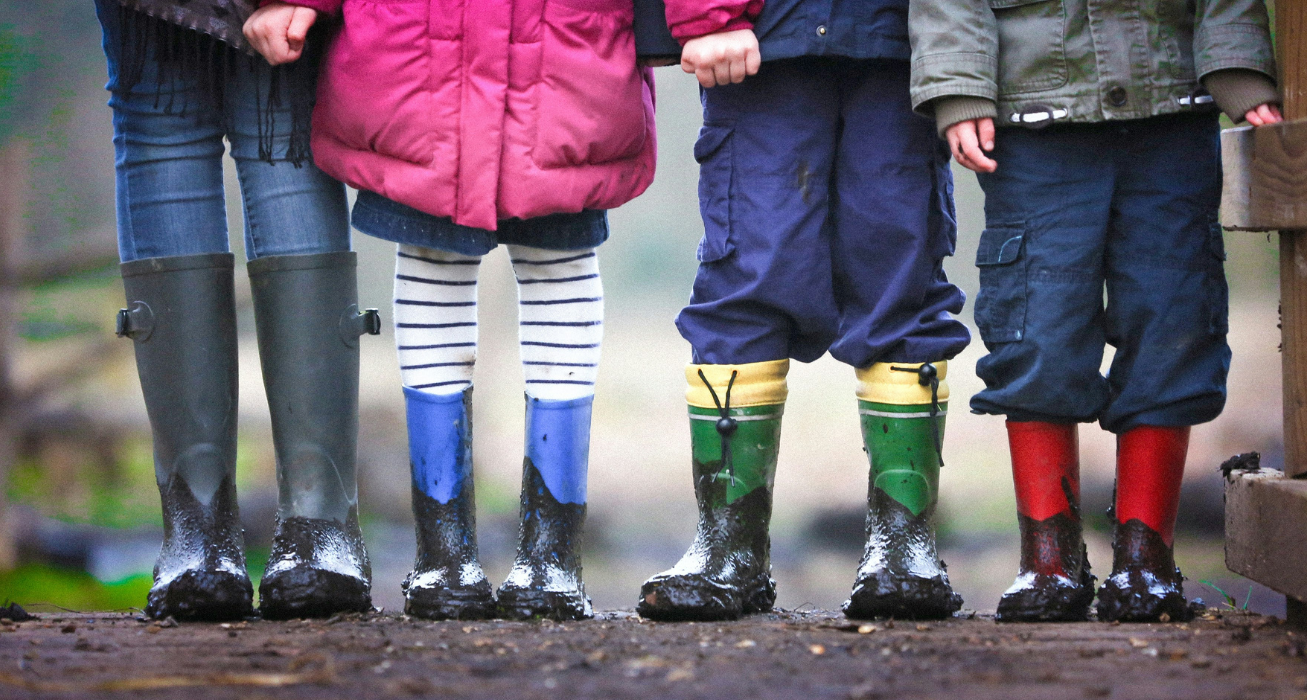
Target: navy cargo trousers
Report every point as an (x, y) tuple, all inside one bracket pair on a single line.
[(1130, 207), (828, 211)]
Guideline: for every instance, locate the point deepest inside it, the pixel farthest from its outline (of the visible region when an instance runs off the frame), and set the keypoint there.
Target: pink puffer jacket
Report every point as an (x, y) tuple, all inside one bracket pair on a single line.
[(482, 110)]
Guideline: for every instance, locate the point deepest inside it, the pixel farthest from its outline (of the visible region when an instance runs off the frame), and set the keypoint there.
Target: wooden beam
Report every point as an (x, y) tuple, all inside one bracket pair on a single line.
[(1265, 518), (1265, 177)]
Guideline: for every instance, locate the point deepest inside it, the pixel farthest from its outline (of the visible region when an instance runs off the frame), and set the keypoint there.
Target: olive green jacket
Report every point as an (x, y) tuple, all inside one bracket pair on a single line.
[(1052, 61)]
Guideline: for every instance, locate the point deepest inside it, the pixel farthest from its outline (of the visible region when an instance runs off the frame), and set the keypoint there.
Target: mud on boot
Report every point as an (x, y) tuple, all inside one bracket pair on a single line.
[(447, 581), (1145, 583), (545, 581), (735, 428), (316, 568), (902, 408)]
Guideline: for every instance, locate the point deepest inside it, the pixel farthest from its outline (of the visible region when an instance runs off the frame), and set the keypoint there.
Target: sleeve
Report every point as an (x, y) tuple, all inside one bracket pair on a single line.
[(1232, 34), (954, 51), (951, 110), (1238, 90), (689, 19), (326, 7)]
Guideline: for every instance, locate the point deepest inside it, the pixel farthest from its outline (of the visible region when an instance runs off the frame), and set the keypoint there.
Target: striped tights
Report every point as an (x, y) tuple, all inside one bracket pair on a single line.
[(560, 317)]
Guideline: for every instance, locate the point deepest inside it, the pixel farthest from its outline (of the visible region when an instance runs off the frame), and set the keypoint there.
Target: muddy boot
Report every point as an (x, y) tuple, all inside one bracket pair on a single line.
[(308, 325), (447, 582), (545, 580), (735, 430), (182, 317), (1145, 585), (1054, 584), (902, 408)]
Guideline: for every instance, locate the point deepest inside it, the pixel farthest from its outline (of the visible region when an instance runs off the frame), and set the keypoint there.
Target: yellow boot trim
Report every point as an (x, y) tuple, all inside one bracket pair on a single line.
[(756, 384), (880, 384)]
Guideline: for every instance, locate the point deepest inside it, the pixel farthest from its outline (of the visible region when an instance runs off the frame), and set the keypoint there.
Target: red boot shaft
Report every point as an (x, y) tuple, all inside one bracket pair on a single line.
[(1045, 468), (1149, 469)]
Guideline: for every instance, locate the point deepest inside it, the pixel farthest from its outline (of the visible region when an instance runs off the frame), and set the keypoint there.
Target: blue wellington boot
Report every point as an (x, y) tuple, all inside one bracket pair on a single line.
[(546, 577), (447, 582)]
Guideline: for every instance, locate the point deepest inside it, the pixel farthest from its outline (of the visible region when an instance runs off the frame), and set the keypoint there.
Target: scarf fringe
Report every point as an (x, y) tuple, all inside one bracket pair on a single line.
[(181, 54)]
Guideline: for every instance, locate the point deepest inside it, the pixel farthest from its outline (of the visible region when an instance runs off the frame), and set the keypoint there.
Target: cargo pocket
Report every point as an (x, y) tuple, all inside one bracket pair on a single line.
[(1001, 304), (1218, 291), (716, 165)]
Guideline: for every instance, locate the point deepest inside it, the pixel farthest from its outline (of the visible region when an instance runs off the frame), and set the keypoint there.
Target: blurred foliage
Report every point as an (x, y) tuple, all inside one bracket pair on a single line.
[(40, 588)]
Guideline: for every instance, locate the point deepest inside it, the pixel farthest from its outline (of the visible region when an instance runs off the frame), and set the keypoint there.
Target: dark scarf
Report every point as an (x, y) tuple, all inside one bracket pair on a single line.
[(203, 38)]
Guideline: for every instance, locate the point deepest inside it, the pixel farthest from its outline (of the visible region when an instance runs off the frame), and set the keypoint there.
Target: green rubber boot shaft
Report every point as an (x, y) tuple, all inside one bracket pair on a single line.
[(904, 461), (755, 447), (304, 306), (185, 337)]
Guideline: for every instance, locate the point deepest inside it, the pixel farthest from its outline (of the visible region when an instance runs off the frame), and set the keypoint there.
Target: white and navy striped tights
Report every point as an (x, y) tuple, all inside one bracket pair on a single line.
[(560, 317)]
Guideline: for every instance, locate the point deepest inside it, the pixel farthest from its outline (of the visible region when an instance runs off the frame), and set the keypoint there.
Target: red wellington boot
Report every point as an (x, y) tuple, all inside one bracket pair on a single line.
[(1145, 584), (1054, 584)]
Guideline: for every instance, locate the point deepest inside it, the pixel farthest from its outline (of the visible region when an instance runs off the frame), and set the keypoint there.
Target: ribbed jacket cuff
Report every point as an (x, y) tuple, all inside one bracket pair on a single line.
[(1238, 90), (330, 7), (951, 110)]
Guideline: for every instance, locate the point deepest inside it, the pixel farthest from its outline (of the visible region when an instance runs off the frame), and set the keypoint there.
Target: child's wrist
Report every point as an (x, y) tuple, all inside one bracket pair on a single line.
[(960, 108), (1237, 91)]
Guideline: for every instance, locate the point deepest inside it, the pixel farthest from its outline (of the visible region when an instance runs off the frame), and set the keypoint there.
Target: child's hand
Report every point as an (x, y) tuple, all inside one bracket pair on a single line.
[(277, 31), (969, 140), (1262, 115), (721, 58)]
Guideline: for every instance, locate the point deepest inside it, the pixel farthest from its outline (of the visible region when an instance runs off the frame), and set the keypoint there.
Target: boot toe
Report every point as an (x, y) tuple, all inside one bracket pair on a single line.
[(305, 591), (1142, 596), (474, 602), (532, 603), (909, 597), (690, 597), (208, 596), (1041, 598)]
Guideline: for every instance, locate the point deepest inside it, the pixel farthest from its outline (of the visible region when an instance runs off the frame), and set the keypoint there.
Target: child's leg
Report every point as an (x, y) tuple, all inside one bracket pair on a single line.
[(436, 335), (763, 295), (1167, 307), (560, 308), (893, 227)]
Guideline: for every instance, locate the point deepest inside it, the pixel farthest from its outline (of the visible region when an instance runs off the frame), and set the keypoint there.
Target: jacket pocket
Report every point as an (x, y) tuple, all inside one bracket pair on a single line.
[(716, 170), (1001, 304), (590, 99), (1031, 44), (1218, 290)]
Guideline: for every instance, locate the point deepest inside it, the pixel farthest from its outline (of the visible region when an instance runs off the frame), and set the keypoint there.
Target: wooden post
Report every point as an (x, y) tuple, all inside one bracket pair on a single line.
[(1291, 35)]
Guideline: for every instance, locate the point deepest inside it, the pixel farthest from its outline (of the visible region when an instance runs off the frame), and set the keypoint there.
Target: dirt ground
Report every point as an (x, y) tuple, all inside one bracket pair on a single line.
[(783, 655)]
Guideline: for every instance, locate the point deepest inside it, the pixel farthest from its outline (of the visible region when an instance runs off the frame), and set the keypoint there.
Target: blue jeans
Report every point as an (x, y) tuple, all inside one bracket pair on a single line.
[(1130, 206), (828, 212), (168, 145)]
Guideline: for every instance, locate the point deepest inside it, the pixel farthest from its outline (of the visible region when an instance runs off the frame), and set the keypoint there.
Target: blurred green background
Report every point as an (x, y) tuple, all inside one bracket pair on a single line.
[(79, 519)]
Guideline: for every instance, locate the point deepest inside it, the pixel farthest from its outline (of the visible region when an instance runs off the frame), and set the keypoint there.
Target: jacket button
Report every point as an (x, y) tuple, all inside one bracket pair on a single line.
[(1117, 96), (821, 30)]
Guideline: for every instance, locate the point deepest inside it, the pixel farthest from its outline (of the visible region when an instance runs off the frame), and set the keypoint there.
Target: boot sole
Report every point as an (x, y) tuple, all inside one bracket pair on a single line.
[(694, 597), (433, 604), (527, 604), (203, 596), (903, 598), (306, 592)]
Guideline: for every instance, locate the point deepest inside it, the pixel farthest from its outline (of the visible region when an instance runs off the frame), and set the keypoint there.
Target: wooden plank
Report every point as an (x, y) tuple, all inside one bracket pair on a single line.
[(1291, 48), (1265, 518), (1265, 177)]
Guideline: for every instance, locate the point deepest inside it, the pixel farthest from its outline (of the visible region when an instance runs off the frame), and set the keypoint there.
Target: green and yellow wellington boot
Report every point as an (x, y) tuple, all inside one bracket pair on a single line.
[(902, 406), (735, 431)]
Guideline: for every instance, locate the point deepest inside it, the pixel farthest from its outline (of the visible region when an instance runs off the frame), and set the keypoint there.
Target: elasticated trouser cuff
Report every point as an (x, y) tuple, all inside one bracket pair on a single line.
[(1238, 90), (951, 110)]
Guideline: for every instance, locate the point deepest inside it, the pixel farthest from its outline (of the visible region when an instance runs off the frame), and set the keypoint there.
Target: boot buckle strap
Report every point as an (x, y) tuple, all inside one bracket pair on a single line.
[(135, 322), (355, 323)]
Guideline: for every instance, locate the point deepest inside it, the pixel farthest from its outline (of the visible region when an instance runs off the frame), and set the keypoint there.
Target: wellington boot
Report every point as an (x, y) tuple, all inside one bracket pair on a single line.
[(447, 582), (1054, 583), (308, 325), (1145, 585), (735, 428), (181, 315), (545, 581), (902, 407)]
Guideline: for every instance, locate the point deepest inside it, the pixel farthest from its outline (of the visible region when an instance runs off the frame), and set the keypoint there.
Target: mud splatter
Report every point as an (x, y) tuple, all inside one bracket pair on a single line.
[(545, 580), (1145, 583), (317, 568), (901, 575)]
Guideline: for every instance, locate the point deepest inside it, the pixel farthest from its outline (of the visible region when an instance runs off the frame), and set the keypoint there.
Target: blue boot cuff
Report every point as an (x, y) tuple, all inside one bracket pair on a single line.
[(558, 444), (439, 442)]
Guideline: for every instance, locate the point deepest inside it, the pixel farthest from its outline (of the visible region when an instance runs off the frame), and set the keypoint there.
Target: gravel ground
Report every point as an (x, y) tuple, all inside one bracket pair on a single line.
[(782, 655)]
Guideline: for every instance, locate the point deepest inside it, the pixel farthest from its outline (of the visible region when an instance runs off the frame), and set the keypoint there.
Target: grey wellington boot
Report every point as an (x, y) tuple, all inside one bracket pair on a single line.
[(181, 316), (306, 312)]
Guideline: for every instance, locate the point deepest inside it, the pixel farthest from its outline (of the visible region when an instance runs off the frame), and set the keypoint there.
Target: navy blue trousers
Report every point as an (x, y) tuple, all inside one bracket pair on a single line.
[(1128, 205), (828, 211)]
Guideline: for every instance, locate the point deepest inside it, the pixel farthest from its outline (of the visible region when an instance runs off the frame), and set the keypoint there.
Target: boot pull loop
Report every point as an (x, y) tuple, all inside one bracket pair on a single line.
[(927, 375), (354, 323), (135, 322), (726, 425)]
